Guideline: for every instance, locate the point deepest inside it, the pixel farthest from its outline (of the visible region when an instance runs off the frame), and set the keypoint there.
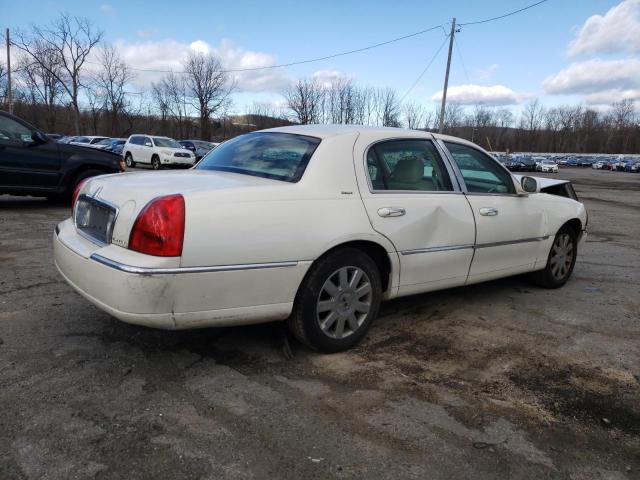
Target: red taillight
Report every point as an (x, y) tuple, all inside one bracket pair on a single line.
[(77, 191), (159, 228)]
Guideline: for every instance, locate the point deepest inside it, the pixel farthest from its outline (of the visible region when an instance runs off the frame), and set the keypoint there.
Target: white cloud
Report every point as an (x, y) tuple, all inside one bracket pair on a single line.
[(170, 54), (482, 95), (593, 76), (607, 97), (106, 9), (326, 78), (484, 74), (617, 31)]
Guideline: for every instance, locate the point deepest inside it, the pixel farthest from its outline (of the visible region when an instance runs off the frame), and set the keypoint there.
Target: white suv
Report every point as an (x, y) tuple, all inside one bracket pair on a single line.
[(156, 151)]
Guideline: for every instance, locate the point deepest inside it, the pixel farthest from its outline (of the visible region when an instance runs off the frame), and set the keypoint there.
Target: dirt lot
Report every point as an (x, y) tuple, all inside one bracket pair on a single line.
[(500, 380)]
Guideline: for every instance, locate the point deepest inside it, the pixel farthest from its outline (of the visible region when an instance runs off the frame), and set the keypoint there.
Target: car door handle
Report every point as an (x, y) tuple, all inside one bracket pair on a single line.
[(489, 211), (391, 211)]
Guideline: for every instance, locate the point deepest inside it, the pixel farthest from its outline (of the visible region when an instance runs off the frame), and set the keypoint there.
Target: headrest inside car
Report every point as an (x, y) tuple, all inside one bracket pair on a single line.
[(409, 170)]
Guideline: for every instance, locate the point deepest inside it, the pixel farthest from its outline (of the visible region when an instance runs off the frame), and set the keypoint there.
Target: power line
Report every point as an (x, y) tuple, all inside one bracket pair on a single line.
[(301, 62), (502, 16), (464, 68), (425, 69)]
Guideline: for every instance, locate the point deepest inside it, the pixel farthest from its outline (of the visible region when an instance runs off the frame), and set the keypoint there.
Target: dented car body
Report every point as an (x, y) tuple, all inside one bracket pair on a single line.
[(314, 224)]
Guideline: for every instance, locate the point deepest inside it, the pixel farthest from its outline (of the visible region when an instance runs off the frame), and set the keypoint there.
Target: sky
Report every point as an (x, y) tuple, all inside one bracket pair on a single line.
[(561, 52)]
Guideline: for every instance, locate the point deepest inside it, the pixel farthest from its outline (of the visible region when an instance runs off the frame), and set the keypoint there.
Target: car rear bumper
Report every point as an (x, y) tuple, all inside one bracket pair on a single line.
[(167, 296)]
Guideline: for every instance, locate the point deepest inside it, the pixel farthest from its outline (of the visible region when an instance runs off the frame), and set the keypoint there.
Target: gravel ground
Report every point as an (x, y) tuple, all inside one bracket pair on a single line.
[(499, 380)]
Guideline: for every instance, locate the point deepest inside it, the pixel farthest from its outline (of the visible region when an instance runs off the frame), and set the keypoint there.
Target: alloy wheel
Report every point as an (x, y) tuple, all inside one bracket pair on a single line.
[(561, 256), (344, 302)]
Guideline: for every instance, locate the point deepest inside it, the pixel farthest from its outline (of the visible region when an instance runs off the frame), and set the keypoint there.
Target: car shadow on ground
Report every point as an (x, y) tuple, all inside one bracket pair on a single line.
[(250, 344)]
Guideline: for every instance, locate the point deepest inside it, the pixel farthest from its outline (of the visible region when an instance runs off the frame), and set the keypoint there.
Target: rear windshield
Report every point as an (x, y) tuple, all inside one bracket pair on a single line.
[(280, 156)]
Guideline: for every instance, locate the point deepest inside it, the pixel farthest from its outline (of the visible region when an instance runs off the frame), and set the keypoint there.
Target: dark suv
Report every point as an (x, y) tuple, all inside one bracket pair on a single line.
[(33, 164)]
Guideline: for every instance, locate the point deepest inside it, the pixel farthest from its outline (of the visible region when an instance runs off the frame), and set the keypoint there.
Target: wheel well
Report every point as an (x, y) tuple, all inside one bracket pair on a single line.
[(155, 155), (575, 224), (377, 253), (80, 171)]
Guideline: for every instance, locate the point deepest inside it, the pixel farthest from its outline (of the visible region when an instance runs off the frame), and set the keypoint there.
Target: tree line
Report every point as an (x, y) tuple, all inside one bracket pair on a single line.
[(68, 80)]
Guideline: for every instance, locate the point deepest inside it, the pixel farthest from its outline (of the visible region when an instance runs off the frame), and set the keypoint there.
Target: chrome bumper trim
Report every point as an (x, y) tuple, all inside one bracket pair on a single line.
[(178, 270)]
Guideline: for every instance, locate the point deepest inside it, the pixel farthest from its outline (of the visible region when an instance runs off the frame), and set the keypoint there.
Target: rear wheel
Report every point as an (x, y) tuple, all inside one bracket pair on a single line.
[(561, 260), (128, 160), (155, 162), (337, 301)]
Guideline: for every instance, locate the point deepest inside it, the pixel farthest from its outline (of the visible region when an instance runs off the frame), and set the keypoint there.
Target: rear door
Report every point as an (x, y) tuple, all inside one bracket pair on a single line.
[(411, 198), (509, 227), (25, 163)]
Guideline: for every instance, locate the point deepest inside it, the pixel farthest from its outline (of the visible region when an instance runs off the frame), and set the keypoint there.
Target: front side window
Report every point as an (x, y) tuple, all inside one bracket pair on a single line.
[(166, 142), (480, 172), (12, 131), (407, 165), (280, 156)]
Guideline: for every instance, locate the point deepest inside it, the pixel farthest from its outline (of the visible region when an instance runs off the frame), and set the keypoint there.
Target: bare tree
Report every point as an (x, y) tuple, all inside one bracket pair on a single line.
[(70, 40), (110, 82), (41, 80), (209, 87), (3, 83), (304, 98), (387, 107), (414, 116)]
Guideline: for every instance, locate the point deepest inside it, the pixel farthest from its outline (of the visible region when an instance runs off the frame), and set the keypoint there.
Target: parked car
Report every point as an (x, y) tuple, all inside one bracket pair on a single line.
[(597, 164), (33, 164), (199, 147), (156, 151), (114, 145), (313, 224), (548, 166), (632, 166), (86, 140)]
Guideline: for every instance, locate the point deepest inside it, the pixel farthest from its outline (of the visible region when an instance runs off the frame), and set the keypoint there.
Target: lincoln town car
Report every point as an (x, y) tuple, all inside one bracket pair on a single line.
[(312, 225)]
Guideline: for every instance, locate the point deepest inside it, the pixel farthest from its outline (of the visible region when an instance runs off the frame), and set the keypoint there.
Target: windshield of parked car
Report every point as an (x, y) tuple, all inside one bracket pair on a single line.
[(166, 142), (280, 156), (203, 144), (106, 141)]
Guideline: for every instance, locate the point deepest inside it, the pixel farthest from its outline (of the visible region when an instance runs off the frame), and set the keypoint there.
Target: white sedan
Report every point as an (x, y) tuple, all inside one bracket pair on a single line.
[(315, 225), (548, 166)]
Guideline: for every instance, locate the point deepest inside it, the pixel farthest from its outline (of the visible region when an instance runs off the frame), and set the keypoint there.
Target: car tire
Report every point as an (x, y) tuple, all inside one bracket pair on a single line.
[(561, 260), (155, 163), (337, 301), (128, 160), (82, 176)]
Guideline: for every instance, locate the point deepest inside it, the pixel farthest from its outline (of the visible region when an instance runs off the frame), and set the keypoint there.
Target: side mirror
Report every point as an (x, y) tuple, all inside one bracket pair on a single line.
[(530, 184), (38, 138)]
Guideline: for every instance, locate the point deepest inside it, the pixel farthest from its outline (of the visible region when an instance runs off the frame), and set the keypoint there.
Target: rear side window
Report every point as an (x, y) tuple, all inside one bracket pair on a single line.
[(407, 165), (135, 140), (280, 156), (481, 173)]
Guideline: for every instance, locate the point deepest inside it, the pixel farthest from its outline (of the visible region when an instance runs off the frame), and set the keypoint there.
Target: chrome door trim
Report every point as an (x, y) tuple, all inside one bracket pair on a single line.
[(512, 242), (436, 249), (179, 270), (474, 247)]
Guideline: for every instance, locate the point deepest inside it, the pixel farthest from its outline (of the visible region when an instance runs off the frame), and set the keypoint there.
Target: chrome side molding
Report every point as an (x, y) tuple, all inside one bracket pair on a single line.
[(178, 270)]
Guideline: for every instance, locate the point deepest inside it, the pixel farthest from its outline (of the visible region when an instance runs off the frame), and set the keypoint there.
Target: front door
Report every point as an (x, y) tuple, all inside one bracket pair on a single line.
[(410, 199), (25, 163), (509, 227)]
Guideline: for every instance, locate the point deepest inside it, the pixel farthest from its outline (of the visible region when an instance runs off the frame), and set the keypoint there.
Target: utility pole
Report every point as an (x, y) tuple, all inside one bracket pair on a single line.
[(9, 97), (446, 76)]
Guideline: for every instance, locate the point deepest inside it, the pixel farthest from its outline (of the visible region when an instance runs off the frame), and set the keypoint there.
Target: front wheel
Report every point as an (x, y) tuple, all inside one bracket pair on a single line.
[(561, 260), (337, 301), (155, 163)]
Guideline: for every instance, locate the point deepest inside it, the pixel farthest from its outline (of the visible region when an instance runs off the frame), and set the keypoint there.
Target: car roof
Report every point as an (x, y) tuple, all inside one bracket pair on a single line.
[(325, 131)]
